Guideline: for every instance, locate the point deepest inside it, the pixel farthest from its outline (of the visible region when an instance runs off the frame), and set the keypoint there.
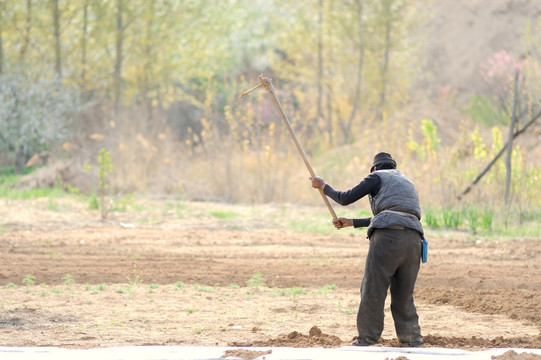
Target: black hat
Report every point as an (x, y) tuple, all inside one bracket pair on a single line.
[(383, 158)]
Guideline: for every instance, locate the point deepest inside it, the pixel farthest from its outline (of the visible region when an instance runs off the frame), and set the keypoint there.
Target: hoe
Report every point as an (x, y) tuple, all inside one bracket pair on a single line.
[(267, 84)]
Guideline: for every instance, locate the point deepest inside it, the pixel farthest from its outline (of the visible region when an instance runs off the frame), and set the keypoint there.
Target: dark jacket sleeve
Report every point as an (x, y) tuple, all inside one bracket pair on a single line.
[(369, 185), (364, 222)]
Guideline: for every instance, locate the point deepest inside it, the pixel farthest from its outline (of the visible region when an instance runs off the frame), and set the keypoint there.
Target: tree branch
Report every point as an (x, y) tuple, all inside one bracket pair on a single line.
[(500, 153)]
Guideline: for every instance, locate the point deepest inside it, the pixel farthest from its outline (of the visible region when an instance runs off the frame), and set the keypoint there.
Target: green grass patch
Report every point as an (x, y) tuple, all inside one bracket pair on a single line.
[(326, 288), (204, 288), (257, 280), (8, 175), (29, 280), (223, 214), (124, 290), (26, 194), (9, 190), (179, 285), (484, 221), (68, 280)]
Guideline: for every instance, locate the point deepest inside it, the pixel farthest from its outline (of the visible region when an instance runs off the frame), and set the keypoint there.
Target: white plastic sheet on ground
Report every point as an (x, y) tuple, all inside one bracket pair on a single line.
[(205, 353)]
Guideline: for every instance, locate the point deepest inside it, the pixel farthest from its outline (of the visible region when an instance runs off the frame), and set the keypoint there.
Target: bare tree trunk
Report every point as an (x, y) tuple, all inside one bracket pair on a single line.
[(1, 39), (28, 27), (329, 95), (17, 146), (346, 126), (385, 64), (117, 76), (84, 37), (58, 56), (147, 76), (19, 159), (320, 63), (510, 141)]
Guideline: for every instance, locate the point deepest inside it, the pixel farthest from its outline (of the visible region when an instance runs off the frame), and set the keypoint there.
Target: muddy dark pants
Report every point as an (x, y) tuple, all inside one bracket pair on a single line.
[(393, 260)]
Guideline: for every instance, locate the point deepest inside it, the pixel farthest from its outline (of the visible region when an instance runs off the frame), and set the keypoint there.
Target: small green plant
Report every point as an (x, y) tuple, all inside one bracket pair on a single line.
[(342, 309), (124, 290), (204, 288), (431, 219), (123, 203), (234, 286), (179, 285), (29, 280), (151, 287), (181, 210), (135, 278), (190, 310), (257, 280), (451, 219), (473, 220), (53, 206), (68, 280), (55, 254), (93, 203), (56, 291), (295, 291), (326, 288), (11, 285), (486, 220)]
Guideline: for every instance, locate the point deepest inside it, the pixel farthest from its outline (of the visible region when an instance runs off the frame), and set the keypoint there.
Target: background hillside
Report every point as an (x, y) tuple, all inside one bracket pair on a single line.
[(464, 34), (153, 87)]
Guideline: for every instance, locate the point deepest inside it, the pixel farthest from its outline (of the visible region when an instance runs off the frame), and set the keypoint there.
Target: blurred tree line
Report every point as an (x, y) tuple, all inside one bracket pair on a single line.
[(339, 65)]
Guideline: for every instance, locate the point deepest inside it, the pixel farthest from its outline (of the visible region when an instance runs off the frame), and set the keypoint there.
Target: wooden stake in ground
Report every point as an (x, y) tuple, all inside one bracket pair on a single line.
[(267, 84)]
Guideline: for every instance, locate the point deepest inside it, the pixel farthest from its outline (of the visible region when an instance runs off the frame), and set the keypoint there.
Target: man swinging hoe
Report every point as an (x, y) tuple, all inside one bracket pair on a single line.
[(396, 241)]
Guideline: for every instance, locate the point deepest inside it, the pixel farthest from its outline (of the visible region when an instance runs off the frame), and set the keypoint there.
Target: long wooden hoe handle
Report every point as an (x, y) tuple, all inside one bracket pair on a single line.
[(267, 84)]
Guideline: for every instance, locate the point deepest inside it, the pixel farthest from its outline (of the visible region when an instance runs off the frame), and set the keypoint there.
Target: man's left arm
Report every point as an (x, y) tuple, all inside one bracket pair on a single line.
[(356, 223)]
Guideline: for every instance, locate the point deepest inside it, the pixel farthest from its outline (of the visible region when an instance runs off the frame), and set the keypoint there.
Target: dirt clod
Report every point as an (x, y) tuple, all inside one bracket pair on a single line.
[(315, 331), (315, 338), (512, 355)]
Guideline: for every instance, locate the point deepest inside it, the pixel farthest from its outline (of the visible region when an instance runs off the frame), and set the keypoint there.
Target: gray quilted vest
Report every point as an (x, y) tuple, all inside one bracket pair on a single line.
[(396, 204)]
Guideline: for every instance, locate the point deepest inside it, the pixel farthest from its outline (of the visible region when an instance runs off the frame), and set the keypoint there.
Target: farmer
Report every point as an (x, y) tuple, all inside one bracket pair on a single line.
[(393, 259)]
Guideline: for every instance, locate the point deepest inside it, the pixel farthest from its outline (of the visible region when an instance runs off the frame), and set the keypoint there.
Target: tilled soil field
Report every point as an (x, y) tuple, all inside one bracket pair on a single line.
[(157, 277)]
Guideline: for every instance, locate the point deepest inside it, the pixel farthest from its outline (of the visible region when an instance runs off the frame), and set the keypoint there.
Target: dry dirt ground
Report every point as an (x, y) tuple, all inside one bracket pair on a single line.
[(175, 275)]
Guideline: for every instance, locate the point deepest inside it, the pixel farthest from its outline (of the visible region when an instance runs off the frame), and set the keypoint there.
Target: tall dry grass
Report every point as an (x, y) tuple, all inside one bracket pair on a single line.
[(247, 156)]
